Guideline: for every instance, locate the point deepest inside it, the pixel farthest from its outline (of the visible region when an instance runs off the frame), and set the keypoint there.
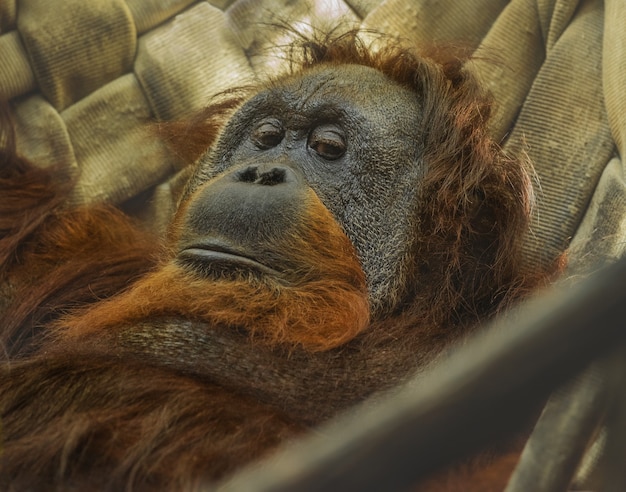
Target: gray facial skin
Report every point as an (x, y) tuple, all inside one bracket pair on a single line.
[(353, 136)]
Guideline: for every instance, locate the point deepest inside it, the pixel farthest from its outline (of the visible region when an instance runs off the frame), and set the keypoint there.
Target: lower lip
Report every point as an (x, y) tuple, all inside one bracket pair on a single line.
[(211, 256)]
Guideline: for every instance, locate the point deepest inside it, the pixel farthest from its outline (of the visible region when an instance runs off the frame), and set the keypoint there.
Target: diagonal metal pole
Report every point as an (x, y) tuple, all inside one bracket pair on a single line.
[(488, 387)]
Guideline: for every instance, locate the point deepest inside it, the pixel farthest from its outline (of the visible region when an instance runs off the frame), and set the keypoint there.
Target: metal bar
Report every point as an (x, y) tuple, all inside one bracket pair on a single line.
[(488, 387), (563, 432)]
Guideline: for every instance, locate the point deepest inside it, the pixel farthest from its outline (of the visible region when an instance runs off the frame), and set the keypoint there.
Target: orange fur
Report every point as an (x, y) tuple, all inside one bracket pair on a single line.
[(486, 473), (190, 138), (325, 306)]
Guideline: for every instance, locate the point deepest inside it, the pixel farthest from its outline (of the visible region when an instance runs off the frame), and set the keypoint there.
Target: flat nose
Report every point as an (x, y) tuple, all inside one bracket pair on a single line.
[(247, 205), (267, 175)]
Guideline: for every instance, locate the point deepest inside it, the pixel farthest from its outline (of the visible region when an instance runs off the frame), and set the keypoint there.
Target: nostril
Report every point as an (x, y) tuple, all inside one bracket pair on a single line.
[(264, 176), (249, 175), (272, 177)]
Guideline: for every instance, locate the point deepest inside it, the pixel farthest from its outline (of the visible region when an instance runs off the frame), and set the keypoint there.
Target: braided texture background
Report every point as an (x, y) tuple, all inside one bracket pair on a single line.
[(85, 77)]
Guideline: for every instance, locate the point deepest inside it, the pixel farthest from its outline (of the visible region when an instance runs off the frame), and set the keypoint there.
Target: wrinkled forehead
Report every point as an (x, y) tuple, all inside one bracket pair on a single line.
[(342, 87)]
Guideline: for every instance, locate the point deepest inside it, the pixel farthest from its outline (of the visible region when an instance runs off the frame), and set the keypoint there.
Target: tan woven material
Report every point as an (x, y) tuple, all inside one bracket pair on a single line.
[(563, 124), (74, 47), (85, 77)]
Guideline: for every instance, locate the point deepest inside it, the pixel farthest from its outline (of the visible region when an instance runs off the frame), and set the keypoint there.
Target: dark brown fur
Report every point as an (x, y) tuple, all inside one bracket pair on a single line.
[(102, 389)]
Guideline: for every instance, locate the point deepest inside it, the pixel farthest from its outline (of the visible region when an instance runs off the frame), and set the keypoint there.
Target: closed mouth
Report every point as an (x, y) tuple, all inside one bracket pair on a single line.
[(219, 255)]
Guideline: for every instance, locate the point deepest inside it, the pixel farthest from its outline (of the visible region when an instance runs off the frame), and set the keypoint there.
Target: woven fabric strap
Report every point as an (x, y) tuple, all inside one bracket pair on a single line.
[(85, 77)]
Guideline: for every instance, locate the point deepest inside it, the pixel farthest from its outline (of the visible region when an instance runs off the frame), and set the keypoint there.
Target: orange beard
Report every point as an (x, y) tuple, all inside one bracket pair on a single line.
[(323, 303)]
